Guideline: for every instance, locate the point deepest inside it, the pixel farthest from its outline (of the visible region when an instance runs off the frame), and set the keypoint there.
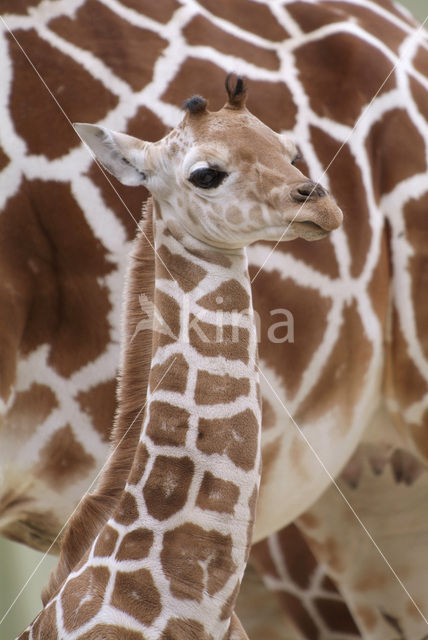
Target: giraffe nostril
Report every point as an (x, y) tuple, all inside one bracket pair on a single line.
[(308, 191)]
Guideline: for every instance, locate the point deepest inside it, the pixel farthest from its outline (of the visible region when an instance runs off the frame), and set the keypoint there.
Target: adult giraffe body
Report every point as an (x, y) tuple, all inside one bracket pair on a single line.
[(346, 294), (169, 561)]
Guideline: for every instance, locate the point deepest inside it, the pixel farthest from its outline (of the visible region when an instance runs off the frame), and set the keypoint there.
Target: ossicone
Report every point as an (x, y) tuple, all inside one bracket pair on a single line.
[(237, 92), (195, 105)]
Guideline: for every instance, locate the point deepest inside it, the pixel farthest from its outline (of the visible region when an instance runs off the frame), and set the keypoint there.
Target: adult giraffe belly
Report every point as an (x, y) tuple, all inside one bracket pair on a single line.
[(321, 362)]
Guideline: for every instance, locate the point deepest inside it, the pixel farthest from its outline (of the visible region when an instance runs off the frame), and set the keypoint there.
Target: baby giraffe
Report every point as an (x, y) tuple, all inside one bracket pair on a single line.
[(167, 563)]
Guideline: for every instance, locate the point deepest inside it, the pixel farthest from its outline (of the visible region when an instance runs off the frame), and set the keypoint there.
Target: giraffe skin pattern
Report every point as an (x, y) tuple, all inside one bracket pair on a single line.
[(195, 474), (357, 385)]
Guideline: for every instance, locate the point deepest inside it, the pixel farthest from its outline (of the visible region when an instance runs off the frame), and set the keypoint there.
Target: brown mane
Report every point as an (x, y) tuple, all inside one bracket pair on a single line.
[(95, 509)]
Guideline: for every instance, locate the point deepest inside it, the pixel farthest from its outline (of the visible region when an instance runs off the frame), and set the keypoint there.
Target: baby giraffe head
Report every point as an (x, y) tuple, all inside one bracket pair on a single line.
[(221, 177)]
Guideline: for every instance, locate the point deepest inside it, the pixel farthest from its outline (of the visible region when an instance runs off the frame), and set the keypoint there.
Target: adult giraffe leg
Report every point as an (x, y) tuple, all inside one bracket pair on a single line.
[(307, 605), (262, 614), (386, 487)]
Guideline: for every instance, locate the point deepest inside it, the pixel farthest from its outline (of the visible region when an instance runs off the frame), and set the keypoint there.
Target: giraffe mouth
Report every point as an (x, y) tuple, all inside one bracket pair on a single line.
[(309, 230)]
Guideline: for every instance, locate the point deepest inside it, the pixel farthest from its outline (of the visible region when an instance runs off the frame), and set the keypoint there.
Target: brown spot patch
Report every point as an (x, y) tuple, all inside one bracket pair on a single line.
[(268, 415), (420, 61), (346, 61), (416, 220), (169, 311), (347, 185), (63, 459), (419, 94), (99, 402), (114, 197), (409, 385), (162, 11), (261, 559), (121, 50), (373, 579), (168, 424), (183, 629), (135, 545), (31, 115), (211, 341), (235, 437), (378, 287), (18, 6), (166, 489), (234, 215), (212, 389), (340, 382), (328, 584), (327, 551), (200, 76), (336, 615), (298, 613), (314, 18), (45, 626), (256, 18), (384, 30), (213, 257), (396, 149), (188, 274), (216, 494), (135, 593), (367, 617), (70, 302), (394, 10), (31, 408), (4, 160), (139, 464), (106, 542), (127, 510), (195, 560), (229, 296), (83, 596), (309, 310), (201, 32), (108, 631), (320, 254), (299, 559), (171, 375)]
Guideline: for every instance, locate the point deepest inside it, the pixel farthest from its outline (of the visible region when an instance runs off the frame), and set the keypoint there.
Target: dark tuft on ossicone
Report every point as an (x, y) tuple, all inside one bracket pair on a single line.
[(196, 104), (237, 94)]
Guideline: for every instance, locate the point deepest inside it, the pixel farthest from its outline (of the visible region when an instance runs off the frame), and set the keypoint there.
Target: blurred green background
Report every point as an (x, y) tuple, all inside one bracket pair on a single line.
[(24, 572)]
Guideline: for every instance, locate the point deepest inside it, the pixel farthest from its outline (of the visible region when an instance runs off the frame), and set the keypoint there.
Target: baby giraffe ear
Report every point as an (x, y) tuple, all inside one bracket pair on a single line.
[(122, 155)]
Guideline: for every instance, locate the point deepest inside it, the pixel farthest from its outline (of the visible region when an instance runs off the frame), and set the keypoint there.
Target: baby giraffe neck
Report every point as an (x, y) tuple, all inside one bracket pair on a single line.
[(200, 441), (169, 561)]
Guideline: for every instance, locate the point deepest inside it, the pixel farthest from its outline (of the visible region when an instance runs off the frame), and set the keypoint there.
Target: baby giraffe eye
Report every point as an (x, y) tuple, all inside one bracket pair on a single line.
[(297, 158), (207, 177)]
